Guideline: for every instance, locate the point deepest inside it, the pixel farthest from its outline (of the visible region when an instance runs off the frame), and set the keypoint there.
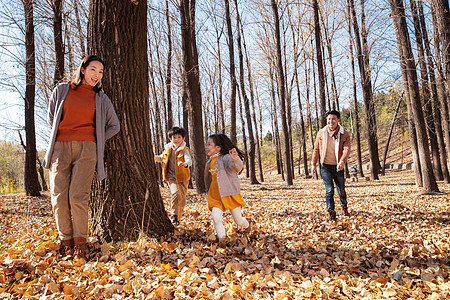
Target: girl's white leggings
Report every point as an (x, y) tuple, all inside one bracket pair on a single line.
[(217, 215)]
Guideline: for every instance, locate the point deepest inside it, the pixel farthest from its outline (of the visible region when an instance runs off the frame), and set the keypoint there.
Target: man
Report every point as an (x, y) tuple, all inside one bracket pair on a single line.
[(333, 147)]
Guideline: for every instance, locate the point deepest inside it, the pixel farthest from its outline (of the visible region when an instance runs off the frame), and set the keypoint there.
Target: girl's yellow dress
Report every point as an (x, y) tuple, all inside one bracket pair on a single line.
[(214, 199)]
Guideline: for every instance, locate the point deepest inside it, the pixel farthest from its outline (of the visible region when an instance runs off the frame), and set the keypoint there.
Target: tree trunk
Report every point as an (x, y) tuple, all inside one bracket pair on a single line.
[(320, 69), (442, 12), (76, 3), (220, 98), (193, 91), (169, 71), (442, 90), (282, 87), (252, 102), (357, 135), (251, 137), (244, 138), (57, 37), (407, 58), (363, 62), (30, 177), (426, 94), (128, 202), (434, 96), (383, 169), (274, 117), (302, 138), (232, 73)]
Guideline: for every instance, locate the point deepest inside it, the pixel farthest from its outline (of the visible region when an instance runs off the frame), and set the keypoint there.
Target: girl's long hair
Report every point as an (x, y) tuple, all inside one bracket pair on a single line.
[(78, 78), (225, 144)]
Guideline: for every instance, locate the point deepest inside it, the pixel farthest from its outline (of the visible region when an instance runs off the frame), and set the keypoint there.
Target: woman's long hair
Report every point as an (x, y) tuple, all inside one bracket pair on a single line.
[(225, 144), (78, 78)]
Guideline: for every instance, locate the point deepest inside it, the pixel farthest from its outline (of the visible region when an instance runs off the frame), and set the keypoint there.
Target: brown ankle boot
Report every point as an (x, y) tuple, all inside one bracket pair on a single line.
[(332, 215), (66, 247), (345, 210), (80, 249)]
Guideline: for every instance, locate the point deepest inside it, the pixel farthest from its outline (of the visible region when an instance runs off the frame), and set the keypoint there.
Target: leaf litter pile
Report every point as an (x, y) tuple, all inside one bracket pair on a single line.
[(395, 245)]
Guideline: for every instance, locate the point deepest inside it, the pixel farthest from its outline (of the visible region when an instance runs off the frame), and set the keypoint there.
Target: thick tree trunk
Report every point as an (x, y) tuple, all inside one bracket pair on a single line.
[(193, 92), (128, 202), (282, 89), (30, 177), (57, 37), (356, 135), (364, 69), (442, 90), (442, 12), (320, 69), (407, 58), (434, 96), (426, 94), (251, 137), (169, 122), (232, 73)]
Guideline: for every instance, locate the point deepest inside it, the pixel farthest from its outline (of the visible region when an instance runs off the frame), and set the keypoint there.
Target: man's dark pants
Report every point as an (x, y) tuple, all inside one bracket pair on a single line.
[(330, 175)]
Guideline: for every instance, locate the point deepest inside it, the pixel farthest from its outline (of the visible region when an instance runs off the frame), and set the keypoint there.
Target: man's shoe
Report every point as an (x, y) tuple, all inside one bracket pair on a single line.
[(332, 215), (345, 210)]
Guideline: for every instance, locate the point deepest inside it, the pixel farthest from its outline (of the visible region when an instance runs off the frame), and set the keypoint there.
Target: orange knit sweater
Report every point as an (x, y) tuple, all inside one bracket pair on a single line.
[(78, 118)]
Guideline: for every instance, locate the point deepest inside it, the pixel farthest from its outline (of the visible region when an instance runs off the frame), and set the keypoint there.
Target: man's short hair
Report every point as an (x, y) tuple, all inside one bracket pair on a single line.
[(333, 112), (176, 130)]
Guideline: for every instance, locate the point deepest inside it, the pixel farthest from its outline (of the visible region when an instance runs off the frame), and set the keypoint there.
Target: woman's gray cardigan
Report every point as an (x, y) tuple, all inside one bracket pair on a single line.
[(227, 175), (106, 124)]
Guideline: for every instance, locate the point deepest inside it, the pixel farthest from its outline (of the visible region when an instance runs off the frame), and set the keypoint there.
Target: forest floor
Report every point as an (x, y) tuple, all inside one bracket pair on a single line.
[(395, 245)]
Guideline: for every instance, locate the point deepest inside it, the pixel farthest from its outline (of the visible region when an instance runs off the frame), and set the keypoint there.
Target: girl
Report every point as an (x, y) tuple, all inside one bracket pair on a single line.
[(82, 118), (222, 182)]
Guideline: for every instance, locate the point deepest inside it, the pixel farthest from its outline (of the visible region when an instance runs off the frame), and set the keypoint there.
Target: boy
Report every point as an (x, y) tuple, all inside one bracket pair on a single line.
[(176, 161)]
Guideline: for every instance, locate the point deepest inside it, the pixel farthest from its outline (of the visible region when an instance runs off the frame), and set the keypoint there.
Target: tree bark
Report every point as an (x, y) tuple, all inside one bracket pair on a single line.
[(57, 37), (442, 90), (320, 69), (426, 94), (30, 177), (232, 74), (357, 134), (274, 117), (128, 203), (169, 71), (383, 169), (251, 137), (282, 87), (434, 96), (193, 92), (76, 3), (442, 12), (364, 69), (407, 58)]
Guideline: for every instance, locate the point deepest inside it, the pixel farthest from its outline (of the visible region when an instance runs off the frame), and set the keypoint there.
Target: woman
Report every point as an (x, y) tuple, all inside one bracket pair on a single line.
[(82, 119)]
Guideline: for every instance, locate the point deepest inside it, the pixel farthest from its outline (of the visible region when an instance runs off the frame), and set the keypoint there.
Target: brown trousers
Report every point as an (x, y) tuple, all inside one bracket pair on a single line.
[(178, 192), (71, 173)]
